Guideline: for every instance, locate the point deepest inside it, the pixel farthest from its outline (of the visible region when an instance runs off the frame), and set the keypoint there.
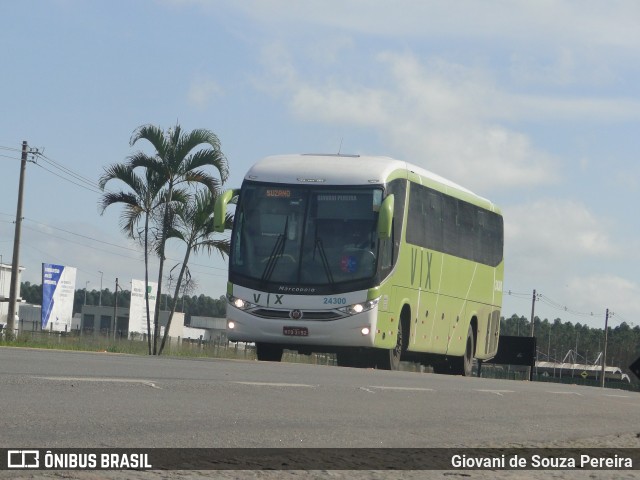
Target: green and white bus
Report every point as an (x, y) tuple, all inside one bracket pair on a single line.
[(371, 258)]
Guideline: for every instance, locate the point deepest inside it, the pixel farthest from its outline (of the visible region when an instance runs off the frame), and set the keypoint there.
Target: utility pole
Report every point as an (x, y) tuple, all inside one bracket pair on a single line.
[(85, 291), (100, 298), (115, 310), (604, 352), (15, 265), (533, 308)]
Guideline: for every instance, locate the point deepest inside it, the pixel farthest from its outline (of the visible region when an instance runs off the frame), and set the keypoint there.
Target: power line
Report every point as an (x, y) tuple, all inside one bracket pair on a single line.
[(65, 173), (94, 189), (93, 239), (103, 242), (526, 296), (83, 244), (48, 254), (82, 236), (68, 171), (10, 149), (563, 308)]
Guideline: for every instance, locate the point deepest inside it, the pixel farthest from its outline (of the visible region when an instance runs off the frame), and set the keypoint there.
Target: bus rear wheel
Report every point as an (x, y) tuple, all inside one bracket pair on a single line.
[(463, 365), (267, 352)]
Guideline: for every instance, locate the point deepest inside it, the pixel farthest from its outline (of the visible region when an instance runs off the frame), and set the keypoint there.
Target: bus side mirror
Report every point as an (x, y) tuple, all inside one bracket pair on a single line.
[(220, 209), (385, 218)]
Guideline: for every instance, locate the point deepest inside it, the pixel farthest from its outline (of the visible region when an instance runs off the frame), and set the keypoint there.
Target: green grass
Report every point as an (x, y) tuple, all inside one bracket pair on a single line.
[(99, 343)]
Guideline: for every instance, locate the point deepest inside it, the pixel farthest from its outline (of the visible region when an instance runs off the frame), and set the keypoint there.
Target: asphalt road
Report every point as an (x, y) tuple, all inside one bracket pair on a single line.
[(76, 399)]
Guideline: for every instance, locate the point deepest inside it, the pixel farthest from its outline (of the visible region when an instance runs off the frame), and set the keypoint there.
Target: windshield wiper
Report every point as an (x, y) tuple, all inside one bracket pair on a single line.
[(275, 255), (325, 262)]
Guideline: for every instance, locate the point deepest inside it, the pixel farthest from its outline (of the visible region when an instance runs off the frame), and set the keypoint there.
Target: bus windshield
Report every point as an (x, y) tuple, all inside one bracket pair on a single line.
[(291, 235)]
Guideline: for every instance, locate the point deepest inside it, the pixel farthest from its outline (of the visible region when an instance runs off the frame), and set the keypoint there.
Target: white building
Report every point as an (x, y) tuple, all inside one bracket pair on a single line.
[(98, 320), (5, 289), (207, 329)]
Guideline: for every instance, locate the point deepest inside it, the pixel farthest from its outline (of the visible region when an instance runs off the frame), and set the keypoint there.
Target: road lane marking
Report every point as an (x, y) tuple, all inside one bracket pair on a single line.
[(96, 379), (567, 393), (275, 384), (366, 389), (496, 392), (403, 389), (616, 396)]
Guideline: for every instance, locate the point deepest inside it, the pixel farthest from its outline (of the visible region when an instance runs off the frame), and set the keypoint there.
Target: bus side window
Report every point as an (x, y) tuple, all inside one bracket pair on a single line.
[(450, 241), (386, 253), (467, 231), (433, 223), (397, 188)]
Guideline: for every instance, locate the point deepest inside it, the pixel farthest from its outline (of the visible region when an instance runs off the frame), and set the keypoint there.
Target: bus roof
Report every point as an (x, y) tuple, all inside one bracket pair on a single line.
[(340, 169)]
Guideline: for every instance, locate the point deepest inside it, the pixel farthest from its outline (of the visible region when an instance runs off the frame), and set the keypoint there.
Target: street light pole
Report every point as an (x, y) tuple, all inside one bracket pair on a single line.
[(100, 298)]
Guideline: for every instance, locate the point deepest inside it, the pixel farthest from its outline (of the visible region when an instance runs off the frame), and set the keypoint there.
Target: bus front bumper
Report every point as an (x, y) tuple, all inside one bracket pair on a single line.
[(356, 330)]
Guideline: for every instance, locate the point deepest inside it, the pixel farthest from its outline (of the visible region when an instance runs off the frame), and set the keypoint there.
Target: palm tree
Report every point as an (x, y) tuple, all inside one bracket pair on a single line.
[(177, 160), (194, 226), (139, 203)]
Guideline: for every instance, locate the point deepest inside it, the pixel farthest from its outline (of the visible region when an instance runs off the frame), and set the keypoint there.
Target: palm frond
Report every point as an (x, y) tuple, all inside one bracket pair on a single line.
[(119, 171), (222, 246), (202, 177), (200, 136), (154, 135), (111, 198), (207, 157), (156, 170)]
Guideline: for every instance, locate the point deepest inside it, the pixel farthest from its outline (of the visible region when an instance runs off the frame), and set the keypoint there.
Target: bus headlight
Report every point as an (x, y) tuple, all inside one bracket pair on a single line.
[(239, 303), (360, 307)]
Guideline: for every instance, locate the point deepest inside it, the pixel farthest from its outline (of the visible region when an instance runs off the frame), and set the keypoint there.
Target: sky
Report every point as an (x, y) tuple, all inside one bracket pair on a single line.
[(532, 104)]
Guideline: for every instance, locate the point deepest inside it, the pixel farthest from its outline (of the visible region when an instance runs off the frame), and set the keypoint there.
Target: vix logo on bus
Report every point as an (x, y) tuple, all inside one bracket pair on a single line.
[(277, 299), (428, 256)]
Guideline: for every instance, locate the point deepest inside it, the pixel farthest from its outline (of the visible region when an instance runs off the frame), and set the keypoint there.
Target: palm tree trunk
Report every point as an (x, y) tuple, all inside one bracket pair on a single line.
[(174, 301), (163, 242), (146, 278)]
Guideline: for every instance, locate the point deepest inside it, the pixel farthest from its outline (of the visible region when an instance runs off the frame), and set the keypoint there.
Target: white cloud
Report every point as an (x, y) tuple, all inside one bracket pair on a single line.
[(606, 291), (566, 252), (628, 178), (553, 232), (544, 22), (364, 107), (445, 116), (441, 116), (202, 91), (560, 71)]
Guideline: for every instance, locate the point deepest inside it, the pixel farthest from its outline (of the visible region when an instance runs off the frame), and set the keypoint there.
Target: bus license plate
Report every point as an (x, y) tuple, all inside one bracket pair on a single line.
[(295, 331)]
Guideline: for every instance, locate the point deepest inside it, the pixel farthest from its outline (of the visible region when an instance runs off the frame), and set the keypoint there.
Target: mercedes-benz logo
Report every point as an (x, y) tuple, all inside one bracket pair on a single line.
[(295, 314)]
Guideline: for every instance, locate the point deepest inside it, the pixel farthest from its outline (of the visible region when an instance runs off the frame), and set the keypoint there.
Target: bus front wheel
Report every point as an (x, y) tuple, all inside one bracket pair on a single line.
[(267, 352), (390, 359)]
